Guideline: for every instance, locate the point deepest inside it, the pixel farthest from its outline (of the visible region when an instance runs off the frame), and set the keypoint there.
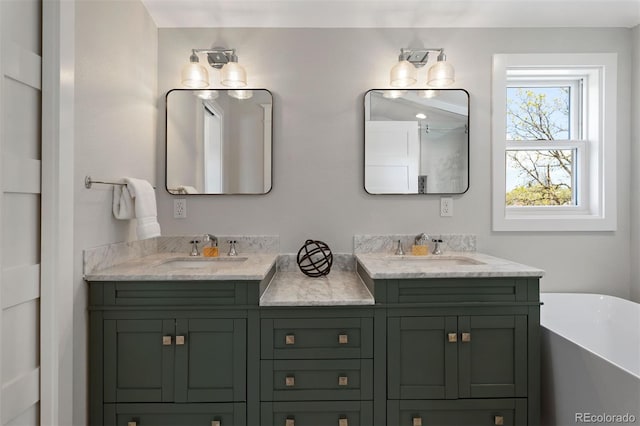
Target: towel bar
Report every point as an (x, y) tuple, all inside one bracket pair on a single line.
[(88, 181)]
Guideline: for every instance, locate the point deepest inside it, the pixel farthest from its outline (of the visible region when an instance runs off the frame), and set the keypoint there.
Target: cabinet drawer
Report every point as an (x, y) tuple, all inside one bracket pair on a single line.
[(447, 290), (295, 380), (507, 412), (334, 413), (317, 338), (232, 414), (188, 293)]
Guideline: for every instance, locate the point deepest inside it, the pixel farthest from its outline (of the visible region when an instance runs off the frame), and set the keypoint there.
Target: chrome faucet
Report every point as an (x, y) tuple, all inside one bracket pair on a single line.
[(421, 240), (194, 248), (232, 248), (399, 250), (436, 249), (211, 239)]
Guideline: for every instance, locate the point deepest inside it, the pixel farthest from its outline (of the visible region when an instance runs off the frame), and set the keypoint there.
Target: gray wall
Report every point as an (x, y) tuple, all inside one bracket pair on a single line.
[(635, 171), (319, 77), (115, 134)]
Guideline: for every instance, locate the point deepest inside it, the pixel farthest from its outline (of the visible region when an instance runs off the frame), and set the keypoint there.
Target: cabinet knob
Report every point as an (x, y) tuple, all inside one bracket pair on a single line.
[(453, 337), (166, 341), (343, 421), (290, 381), (216, 423), (132, 423), (290, 339), (179, 340), (343, 381), (466, 337), (290, 422), (343, 338), (498, 420), (417, 421)]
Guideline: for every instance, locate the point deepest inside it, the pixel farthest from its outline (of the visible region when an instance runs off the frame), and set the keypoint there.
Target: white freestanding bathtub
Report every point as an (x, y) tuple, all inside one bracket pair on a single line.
[(590, 359)]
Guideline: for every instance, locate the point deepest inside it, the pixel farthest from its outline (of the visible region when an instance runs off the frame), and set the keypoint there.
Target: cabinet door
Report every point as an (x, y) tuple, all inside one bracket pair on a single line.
[(138, 367), (422, 361), (210, 360), (492, 354)]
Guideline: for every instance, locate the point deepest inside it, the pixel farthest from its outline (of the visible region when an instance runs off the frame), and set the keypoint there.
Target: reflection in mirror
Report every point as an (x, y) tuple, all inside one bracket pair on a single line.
[(416, 141), (219, 141)]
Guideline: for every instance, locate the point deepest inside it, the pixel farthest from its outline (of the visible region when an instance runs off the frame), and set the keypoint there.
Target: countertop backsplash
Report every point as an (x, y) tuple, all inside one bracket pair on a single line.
[(388, 243)]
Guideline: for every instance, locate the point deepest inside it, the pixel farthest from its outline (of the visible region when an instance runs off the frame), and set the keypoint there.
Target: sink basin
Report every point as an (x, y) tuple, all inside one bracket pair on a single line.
[(203, 262), (437, 260)]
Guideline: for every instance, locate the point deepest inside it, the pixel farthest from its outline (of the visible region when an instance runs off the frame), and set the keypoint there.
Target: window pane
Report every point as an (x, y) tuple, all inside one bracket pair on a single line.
[(538, 113), (540, 177)]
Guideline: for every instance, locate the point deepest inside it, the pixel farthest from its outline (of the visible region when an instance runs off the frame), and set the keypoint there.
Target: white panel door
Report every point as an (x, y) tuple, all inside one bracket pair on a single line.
[(20, 154), (392, 157)]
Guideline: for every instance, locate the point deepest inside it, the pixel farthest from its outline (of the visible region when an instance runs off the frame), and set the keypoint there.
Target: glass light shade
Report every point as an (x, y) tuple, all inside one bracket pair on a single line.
[(207, 94), (441, 74), (403, 74), (241, 94), (195, 76), (233, 74)]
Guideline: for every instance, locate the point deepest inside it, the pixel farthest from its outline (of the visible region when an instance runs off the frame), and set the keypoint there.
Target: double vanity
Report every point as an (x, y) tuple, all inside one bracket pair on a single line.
[(249, 340)]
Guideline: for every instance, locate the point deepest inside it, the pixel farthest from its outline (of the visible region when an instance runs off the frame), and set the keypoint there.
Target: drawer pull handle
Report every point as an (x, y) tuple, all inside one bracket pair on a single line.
[(290, 339), (343, 381), (466, 337), (166, 341), (453, 337), (343, 421), (290, 381), (179, 340), (343, 339), (417, 421), (290, 422), (498, 420), (216, 423)]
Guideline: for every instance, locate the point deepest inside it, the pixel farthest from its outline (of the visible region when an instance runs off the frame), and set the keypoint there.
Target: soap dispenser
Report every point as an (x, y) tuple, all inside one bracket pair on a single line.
[(210, 250), (419, 247)]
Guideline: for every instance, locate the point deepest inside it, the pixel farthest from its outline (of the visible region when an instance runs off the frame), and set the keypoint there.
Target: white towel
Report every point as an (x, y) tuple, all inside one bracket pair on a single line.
[(146, 212), (122, 203)]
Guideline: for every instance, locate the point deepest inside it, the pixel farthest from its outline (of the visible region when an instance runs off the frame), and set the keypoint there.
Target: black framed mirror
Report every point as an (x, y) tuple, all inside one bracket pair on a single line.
[(219, 141), (416, 141)]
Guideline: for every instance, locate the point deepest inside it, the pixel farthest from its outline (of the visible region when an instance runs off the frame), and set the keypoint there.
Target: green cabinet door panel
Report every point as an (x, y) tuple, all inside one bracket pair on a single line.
[(211, 364), (508, 412), (421, 362), (203, 360), (493, 363), (330, 413), (137, 366), (229, 414), (457, 357)]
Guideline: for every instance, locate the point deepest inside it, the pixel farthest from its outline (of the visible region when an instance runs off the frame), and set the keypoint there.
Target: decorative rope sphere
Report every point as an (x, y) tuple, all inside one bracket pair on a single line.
[(315, 258)]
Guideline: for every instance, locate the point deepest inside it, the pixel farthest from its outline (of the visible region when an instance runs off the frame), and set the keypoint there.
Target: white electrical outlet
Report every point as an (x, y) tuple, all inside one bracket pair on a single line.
[(179, 208), (446, 206)]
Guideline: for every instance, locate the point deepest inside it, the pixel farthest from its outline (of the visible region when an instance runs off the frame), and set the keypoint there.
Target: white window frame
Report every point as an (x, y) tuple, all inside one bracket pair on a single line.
[(595, 142)]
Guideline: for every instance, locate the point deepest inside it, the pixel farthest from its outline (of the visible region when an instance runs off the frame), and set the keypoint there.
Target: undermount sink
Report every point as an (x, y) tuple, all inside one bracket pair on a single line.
[(437, 260), (200, 262)]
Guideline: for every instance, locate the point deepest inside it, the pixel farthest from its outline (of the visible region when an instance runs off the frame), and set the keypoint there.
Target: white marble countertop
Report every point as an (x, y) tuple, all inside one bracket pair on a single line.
[(159, 267), (335, 289), (447, 265)]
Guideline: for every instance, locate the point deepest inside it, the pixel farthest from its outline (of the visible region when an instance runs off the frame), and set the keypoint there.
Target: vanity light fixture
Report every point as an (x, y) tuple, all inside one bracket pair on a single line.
[(393, 94), (232, 74), (404, 73), (241, 94), (421, 116)]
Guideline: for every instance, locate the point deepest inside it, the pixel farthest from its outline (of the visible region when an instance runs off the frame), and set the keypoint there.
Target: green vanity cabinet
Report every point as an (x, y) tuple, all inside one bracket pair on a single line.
[(171, 353)]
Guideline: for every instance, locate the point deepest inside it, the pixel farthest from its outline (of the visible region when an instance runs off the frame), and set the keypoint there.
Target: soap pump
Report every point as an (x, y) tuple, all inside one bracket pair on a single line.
[(419, 247), (212, 249)]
